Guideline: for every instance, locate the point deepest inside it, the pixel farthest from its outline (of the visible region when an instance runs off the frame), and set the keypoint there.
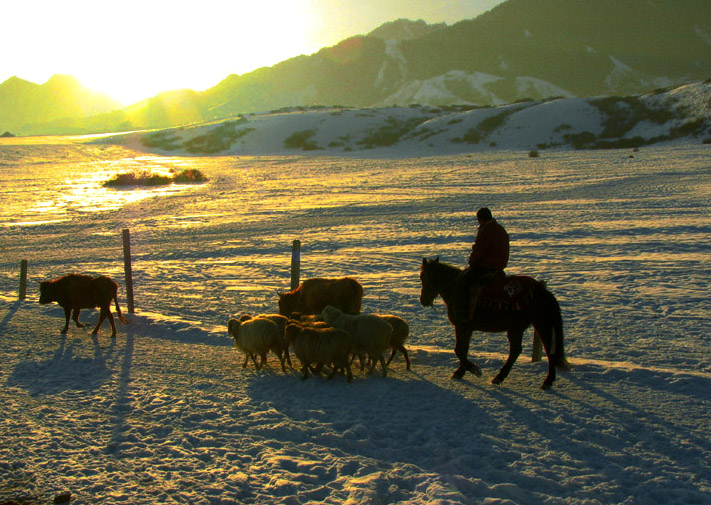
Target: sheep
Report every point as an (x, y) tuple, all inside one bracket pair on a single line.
[(401, 330), (256, 336), (281, 322), (371, 334), (320, 346)]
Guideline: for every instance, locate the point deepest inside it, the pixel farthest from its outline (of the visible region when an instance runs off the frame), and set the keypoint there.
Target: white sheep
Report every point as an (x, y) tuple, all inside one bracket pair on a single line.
[(257, 336), (401, 330), (320, 346), (371, 334), (281, 322)]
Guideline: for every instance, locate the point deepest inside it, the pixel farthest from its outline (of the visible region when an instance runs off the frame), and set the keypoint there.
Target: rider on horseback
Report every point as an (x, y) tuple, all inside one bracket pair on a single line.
[(489, 257)]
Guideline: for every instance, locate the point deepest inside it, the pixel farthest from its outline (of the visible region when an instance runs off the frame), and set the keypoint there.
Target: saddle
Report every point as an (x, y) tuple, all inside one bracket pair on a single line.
[(503, 292)]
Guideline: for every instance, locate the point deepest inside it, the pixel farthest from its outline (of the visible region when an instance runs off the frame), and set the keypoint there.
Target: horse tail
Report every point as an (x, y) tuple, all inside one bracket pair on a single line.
[(559, 359), (553, 320)]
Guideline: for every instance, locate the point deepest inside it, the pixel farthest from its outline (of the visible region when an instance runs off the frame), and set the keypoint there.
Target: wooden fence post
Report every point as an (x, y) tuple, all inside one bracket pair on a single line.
[(127, 269), (23, 280), (295, 263)]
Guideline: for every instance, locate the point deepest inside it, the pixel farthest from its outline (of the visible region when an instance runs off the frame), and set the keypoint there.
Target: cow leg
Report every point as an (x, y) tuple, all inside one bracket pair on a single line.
[(67, 314), (462, 336), (105, 314), (76, 318), (515, 337), (112, 322)]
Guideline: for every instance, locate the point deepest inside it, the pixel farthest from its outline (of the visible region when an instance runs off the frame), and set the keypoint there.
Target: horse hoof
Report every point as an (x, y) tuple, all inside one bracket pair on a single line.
[(546, 385), (497, 381), (474, 369), (458, 374)]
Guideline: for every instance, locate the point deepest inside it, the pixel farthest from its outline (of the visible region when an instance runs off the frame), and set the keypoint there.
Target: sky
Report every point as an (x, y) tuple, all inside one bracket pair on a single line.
[(131, 49)]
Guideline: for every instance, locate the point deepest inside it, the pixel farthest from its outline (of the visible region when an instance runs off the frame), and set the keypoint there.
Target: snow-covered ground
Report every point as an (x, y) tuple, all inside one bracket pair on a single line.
[(165, 413)]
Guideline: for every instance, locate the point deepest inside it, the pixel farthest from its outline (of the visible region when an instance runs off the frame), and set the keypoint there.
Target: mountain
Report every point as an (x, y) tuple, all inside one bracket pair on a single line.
[(677, 116), (61, 97), (519, 50)]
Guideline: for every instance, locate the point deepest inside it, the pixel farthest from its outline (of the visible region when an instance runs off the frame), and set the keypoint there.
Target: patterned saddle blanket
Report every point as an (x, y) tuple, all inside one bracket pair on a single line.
[(506, 292)]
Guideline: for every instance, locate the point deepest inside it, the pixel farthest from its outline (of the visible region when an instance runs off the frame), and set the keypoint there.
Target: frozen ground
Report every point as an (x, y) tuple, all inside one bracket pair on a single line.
[(165, 413)]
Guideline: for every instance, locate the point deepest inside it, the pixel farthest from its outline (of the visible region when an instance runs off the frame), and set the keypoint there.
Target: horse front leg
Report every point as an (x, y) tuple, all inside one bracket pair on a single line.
[(515, 338), (462, 337)]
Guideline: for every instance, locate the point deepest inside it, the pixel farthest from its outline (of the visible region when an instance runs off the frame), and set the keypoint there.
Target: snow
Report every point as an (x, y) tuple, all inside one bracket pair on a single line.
[(166, 414), (440, 89)]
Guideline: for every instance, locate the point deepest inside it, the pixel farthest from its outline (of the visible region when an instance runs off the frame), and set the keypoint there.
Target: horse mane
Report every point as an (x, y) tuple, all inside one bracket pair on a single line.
[(449, 267)]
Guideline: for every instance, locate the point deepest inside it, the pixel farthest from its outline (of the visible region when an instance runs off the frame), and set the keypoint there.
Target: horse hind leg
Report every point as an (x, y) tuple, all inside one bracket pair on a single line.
[(515, 338)]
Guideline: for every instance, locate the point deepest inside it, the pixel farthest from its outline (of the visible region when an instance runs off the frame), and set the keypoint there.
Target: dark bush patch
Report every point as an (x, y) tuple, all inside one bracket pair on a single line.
[(145, 178), (390, 133), (301, 140)]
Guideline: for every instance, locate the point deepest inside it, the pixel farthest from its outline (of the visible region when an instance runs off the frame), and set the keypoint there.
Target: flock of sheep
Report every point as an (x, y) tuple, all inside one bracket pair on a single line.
[(320, 320)]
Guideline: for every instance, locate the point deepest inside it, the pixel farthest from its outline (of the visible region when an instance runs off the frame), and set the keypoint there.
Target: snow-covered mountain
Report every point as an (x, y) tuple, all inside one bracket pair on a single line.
[(680, 114)]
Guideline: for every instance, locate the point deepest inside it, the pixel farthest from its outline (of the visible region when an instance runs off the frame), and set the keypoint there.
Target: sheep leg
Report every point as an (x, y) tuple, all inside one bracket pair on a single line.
[(281, 360), (262, 361), (254, 359), (305, 371), (404, 353), (374, 360), (382, 364)]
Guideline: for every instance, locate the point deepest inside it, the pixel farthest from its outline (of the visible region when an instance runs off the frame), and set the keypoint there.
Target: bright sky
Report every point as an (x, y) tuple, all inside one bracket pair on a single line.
[(134, 49)]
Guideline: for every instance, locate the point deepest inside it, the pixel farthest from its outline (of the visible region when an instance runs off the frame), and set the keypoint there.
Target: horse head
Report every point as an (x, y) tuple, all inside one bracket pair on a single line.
[(428, 278)]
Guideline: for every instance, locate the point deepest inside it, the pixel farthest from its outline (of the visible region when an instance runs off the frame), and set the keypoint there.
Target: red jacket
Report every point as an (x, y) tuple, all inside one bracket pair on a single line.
[(491, 249)]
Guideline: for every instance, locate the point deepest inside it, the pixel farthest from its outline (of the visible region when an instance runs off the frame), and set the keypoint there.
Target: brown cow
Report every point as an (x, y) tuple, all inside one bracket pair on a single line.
[(313, 295), (74, 292)]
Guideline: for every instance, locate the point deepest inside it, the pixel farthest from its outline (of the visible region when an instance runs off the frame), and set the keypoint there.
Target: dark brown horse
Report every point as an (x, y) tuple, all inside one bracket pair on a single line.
[(539, 309)]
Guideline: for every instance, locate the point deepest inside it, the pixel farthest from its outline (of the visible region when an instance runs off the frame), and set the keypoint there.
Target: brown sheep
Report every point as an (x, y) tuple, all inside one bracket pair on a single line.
[(401, 330), (313, 295), (74, 292), (320, 346)]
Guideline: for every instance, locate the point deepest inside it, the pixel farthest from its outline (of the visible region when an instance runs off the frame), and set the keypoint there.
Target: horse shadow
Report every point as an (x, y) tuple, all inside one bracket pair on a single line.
[(67, 369)]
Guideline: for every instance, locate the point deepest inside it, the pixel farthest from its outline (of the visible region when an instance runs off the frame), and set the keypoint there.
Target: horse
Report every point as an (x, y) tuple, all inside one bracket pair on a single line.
[(535, 305)]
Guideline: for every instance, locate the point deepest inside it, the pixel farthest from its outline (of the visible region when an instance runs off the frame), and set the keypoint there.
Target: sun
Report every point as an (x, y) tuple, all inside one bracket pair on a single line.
[(132, 54)]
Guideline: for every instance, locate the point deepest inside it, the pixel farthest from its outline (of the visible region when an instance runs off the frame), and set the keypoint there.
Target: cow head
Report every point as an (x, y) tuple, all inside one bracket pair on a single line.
[(46, 294)]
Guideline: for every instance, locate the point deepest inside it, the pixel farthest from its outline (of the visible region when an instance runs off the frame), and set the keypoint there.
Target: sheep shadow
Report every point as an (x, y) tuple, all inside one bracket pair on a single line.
[(66, 369), (388, 419)]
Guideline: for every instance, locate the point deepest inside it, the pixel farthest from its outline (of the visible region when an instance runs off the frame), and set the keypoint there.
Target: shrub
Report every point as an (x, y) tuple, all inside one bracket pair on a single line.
[(166, 140), (145, 178), (390, 133), (218, 139), (485, 127), (301, 140)]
